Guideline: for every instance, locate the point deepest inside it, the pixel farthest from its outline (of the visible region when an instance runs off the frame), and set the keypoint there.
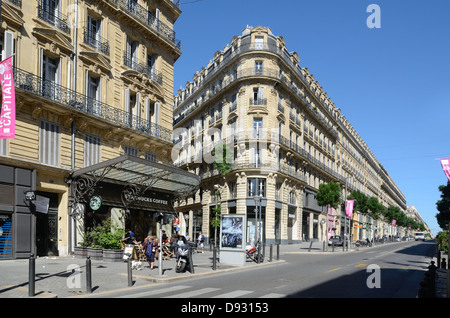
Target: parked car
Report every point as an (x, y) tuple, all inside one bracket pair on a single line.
[(419, 236), (397, 239), (337, 239)]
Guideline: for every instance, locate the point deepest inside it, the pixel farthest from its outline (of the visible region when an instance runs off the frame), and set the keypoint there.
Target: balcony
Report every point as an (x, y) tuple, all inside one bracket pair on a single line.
[(258, 101), (52, 17), (66, 97), (15, 2), (95, 41), (146, 17), (141, 68)]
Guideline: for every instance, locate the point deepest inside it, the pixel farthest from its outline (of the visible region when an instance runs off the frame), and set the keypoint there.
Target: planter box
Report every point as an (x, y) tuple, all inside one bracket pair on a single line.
[(80, 251), (95, 253), (112, 255)]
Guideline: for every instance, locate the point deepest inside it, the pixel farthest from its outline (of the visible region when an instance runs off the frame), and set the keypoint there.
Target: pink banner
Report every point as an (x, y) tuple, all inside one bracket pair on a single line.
[(8, 111), (394, 222), (446, 167), (349, 208)]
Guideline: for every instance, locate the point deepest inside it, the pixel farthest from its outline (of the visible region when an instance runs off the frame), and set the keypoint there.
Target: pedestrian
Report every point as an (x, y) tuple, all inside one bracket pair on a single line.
[(201, 241), (148, 250), (174, 244), (156, 247), (164, 237)]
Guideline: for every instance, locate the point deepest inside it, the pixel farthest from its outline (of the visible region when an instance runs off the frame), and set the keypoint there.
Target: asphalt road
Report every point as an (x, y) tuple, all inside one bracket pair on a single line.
[(387, 271)]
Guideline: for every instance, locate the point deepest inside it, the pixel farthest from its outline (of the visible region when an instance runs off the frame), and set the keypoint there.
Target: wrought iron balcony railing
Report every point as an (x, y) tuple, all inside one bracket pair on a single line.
[(145, 16), (16, 2), (58, 94), (95, 41), (141, 68), (49, 15)]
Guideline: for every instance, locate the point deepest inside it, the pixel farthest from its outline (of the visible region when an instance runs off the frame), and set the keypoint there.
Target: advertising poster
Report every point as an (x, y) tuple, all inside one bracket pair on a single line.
[(232, 232)]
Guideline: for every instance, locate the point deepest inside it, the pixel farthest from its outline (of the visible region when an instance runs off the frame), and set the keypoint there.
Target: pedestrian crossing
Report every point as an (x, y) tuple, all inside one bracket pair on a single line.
[(187, 291)]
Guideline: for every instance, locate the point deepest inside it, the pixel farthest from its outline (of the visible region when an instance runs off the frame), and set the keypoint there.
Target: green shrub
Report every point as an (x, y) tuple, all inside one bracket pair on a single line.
[(442, 240), (104, 236)]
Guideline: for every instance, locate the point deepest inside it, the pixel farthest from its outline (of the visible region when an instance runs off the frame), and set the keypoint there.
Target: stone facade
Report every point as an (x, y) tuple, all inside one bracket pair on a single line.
[(94, 80), (287, 137)]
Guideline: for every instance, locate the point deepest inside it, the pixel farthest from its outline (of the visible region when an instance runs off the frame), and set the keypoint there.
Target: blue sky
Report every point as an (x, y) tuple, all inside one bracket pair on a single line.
[(392, 83)]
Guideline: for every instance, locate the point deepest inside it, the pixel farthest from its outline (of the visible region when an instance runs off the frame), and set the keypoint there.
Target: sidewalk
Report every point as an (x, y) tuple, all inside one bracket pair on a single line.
[(61, 277)]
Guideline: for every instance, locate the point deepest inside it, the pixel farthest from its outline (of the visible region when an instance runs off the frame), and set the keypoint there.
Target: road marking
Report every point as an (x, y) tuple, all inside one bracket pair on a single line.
[(361, 265), (332, 270), (234, 294), (155, 292), (273, 295), (193, 293)]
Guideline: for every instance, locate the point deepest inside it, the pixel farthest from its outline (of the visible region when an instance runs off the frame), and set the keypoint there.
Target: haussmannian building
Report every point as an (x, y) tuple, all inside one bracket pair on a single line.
[(94, 98), (287, 137)]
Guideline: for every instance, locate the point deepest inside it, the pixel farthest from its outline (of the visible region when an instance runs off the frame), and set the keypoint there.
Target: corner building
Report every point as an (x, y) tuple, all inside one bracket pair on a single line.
[(287, 137), (94, 97)]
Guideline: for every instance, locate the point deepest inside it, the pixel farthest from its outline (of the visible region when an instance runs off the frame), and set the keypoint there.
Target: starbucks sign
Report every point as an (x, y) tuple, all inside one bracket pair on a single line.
[(95, 202)]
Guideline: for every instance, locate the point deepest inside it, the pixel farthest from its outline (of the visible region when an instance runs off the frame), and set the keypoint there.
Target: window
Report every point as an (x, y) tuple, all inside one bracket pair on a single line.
[(278, 191), (6, 45), (258, 96), (50, 76), (256, 186), (132, 108), (258, 67), (93, 93), (131, 54), (233, 189), (255, 157), (292, 198), (49, 143), (257, 127), (131, 151), (150, 156), (259, 43), (50, 10), (3, 147), (91, 150)]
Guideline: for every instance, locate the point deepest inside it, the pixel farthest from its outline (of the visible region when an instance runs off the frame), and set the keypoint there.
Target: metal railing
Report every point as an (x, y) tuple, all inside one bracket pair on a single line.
[(95, 41), (141, 68), (49, 15), (146, 17), (37, 86)]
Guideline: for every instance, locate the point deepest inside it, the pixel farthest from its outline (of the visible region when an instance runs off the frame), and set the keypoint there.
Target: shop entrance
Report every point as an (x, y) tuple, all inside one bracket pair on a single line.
[(47, 227)]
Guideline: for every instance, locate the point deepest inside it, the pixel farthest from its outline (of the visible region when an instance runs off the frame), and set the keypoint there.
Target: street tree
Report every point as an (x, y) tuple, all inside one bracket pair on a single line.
[(443, 206), (223, 163), (329, 194)]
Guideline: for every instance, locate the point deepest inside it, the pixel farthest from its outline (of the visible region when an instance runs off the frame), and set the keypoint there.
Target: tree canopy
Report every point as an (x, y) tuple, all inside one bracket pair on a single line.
[(329, 194)]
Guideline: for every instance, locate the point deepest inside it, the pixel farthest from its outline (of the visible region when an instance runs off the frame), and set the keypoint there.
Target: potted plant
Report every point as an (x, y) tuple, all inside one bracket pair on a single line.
[(80, 251), (108, 238)]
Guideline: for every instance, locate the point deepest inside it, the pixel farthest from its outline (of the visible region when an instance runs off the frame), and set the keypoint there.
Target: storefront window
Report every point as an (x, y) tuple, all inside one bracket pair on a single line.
[(5, 236)]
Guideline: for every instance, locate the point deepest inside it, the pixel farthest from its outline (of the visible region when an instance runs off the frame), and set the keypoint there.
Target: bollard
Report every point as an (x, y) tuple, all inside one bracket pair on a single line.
[(191, 263), (310, 245), (214, 258), (278, 252), (130, 272), (88, 275), (31, 275), (443, 263), (271, 251)]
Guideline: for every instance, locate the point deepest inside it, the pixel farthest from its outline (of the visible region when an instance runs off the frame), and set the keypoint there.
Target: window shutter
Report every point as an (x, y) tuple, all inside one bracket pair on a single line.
[(8, 44)]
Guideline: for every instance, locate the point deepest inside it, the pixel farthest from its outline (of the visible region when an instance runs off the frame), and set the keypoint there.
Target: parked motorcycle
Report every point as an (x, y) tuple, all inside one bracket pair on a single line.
[(252, 253), (184, 256)]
